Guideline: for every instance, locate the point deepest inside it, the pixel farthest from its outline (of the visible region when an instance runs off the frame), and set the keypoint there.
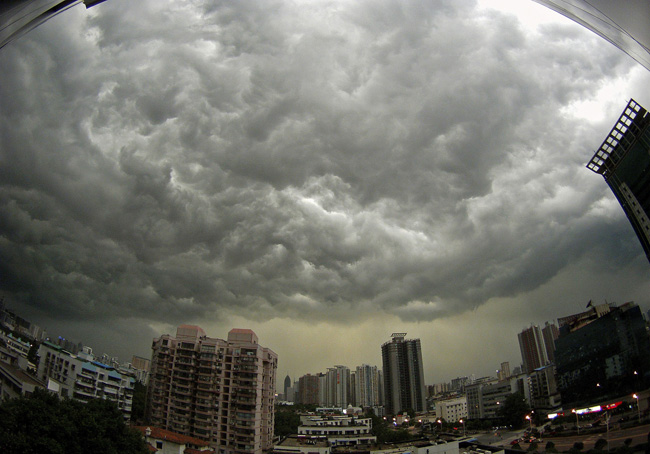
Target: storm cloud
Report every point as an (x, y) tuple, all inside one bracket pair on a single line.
[(168, 162)]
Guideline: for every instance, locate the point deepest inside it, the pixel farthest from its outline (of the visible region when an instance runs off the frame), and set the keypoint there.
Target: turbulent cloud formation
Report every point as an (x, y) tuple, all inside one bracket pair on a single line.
[(164, 162)]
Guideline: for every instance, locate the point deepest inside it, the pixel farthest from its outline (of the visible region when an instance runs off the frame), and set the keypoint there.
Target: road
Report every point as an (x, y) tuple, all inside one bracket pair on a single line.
[(638, 434)]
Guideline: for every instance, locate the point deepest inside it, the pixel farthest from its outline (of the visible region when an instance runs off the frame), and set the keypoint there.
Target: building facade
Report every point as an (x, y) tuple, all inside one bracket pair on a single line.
[(367, 386), (623, 160), (544, 394), (604, 357), (308, 390), (337, 387), (550, 332), (403, 375), (220, 391), (82, 378), (452, 409), (533, 348)]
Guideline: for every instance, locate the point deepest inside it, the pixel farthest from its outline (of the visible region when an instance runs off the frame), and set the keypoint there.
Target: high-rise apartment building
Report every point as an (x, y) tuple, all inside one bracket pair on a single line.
[(550, 332), (403, 375), (367, 386), (533, 348), (220, 391), (337, 387), (623, 160), (308, 390)]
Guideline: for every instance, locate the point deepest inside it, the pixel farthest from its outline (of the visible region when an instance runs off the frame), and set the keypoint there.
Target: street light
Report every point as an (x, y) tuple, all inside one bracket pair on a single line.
[(530, 420), (577, 422), (462, 421), (638, 410), (607, 417), (440, 422)]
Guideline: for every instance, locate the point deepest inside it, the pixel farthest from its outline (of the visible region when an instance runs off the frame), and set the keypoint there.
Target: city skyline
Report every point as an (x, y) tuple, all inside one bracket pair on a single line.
[(323, 173)]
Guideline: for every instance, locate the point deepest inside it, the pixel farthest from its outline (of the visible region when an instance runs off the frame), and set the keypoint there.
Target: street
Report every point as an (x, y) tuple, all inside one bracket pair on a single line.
[(638, 434)]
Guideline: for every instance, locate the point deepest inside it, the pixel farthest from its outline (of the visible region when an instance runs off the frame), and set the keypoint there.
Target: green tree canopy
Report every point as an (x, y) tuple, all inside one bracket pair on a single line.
[(42, 423), (514, 409), (287, 420), (600, 444)]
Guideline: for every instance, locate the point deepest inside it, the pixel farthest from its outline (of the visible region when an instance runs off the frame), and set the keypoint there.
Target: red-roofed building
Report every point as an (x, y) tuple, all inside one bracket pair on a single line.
[(164, 441)]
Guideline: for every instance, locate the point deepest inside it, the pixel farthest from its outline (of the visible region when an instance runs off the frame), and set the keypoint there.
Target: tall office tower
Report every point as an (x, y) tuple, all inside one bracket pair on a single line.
[(367, 386), (220, 391), (623, 24), (308, 386), (287, 385), (533, 349), (624, 161), (602, 357), (403, 375), (550, 332)]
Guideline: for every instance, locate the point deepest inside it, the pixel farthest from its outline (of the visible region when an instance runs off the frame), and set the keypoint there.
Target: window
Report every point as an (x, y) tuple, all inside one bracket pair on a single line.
[(159, 444)]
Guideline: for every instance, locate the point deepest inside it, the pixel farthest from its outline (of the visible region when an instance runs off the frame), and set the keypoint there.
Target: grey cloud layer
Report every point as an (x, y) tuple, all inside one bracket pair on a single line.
[(186, 160)]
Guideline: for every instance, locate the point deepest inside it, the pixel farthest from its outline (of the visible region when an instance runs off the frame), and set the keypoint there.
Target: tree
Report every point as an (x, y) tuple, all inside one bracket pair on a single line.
[(42, 422), (600, 444), (514, 410), (287, 421), (577, 447), (626, 448), (138, 402), (550, 447)]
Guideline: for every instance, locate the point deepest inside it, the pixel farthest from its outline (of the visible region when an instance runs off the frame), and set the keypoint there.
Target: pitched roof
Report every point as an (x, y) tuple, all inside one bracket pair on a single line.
[(168, 435)]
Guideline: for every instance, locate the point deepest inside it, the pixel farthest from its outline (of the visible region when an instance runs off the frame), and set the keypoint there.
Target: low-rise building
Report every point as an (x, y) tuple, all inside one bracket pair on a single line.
[(14, 380), (338, 430), (298, 444), (452, 409), (15, 344), (81, 378), (167, 442)]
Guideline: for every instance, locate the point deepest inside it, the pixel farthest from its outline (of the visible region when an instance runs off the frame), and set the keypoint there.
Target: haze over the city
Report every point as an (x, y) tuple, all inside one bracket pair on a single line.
[(324, 173)]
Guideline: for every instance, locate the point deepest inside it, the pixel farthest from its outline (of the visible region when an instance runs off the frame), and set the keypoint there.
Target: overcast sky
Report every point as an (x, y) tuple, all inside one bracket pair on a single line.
[(325, 173)]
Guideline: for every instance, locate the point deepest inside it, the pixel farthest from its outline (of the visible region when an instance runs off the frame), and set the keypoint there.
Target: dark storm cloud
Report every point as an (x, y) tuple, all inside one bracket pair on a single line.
[(180, 161)]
